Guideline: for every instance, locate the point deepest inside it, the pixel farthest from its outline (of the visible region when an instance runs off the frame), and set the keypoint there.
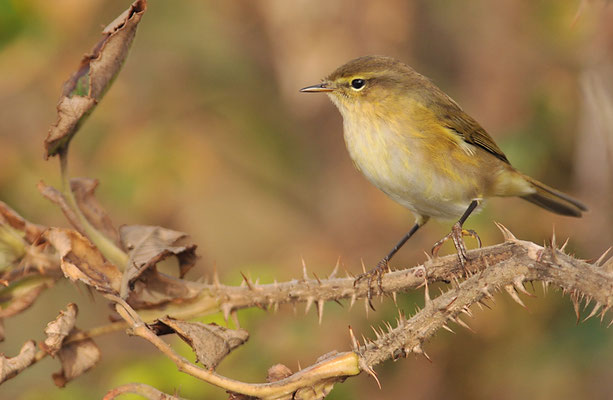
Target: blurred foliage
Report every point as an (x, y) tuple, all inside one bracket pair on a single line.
[(205, 132)]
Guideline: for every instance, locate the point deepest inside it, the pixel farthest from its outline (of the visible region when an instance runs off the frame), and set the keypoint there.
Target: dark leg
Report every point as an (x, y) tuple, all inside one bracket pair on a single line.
[(457, 233), (383, 266)]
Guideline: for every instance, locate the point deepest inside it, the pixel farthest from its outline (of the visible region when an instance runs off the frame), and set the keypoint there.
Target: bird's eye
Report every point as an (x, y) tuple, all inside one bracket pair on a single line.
[(358, 84)]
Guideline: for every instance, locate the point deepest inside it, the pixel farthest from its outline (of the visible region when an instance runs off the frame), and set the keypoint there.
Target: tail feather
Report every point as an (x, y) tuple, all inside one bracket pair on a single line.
[(553, 200)]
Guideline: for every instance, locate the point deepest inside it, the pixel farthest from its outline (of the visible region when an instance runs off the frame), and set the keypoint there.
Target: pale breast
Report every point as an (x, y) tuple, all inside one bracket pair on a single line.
[(404, 167)]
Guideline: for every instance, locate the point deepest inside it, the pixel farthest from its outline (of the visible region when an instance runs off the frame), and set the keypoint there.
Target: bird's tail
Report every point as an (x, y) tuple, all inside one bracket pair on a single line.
[(553, 200)]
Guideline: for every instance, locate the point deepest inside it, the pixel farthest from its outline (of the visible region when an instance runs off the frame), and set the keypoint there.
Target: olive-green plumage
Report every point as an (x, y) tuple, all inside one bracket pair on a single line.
[(418, 146)]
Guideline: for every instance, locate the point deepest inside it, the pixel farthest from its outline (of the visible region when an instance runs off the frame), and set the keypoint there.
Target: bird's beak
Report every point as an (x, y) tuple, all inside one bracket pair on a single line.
[(322, 87)]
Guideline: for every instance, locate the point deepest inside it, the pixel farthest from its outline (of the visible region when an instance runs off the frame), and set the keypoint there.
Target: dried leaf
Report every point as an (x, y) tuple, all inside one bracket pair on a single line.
[(84, 190), (154, 289), (97, 70), (9, 216), (21, 296), (9, 367), (211, 342), (59, 328), (81, 260), (76, 359), (277, 372), (148, 245)]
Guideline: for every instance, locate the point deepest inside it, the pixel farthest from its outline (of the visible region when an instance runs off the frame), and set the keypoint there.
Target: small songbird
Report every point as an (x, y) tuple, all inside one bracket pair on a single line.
[(420, 148)]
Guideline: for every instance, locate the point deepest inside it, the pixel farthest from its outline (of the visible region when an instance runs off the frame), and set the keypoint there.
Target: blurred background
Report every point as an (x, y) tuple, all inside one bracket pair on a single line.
[(205, 132)]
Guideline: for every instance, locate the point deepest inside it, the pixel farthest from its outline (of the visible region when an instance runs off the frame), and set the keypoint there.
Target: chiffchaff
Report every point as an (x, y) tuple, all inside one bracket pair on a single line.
[(416, 144)]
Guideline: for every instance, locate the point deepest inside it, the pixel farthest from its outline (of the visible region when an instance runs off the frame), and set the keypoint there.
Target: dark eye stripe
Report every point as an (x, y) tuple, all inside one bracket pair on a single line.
[(358, 83)]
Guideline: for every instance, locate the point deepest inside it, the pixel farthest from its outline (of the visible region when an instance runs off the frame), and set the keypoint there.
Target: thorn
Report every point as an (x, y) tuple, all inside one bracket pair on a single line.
[(372, 373), (417, 349), (506, 234), (338, 302), (299, 366), (354, 343), (249, 285), (320, 310), (459, 321), (483, 303), (445, 327), (394, 297), (564, 244), (428, 256), (588, 300), (309, 303), (335, 270), (317, 278), (575, 300), (545, 286), (428, 300), (376, 333), (518, 282), (601, 258), (363, 266), (216, 277), (603, 312), (594, 311), (234, 316), (364, 340), (467, 311), (610, 323), (275, 306), (305, 277), (553, 242), (226, 309), (352, 300), (511, 291), (366, 306)]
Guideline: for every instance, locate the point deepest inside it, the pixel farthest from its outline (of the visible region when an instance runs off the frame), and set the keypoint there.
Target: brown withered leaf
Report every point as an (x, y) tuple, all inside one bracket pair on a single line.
[(211, 342), (9, 216), (84, 190), (95, 74), (153, 289), (81, 260), (59, 328), (76, 359), (20, 297), (277, 372), (148, 245), (9, 367)]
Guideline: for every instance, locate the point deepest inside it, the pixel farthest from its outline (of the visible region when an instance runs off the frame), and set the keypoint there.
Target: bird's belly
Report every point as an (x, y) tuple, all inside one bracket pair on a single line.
[(428, 185)]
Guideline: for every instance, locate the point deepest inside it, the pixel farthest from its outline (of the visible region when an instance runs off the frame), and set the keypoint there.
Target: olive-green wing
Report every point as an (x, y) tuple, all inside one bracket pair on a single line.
[(468, 129)]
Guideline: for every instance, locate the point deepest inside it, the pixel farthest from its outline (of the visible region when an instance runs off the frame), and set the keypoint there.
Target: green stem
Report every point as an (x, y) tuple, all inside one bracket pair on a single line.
[(108, 249)]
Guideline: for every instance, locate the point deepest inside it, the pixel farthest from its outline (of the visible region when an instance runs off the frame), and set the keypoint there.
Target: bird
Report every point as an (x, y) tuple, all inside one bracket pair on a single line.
[(417, 145)]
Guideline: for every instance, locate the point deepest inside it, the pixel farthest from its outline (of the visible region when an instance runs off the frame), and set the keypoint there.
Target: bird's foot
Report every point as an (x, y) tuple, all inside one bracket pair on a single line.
[(457, 236), (376, 273)]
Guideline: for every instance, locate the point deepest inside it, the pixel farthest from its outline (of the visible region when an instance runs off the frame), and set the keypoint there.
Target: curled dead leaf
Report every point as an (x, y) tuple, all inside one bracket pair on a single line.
[(95, 74), (59, 328), (153, 289), (20, 297), (76, 359), (10, 217), (277, 372), (210, 342), (148, 245), (9, 367), (81, 260)]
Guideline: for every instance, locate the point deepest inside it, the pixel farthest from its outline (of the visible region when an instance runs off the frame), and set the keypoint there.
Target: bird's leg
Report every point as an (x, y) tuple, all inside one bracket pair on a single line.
[(383, 266), (457, 235)]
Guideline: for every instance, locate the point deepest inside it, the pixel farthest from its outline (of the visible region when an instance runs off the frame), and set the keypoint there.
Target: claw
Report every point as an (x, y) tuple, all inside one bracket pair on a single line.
[(376, 273), (456, 235)]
